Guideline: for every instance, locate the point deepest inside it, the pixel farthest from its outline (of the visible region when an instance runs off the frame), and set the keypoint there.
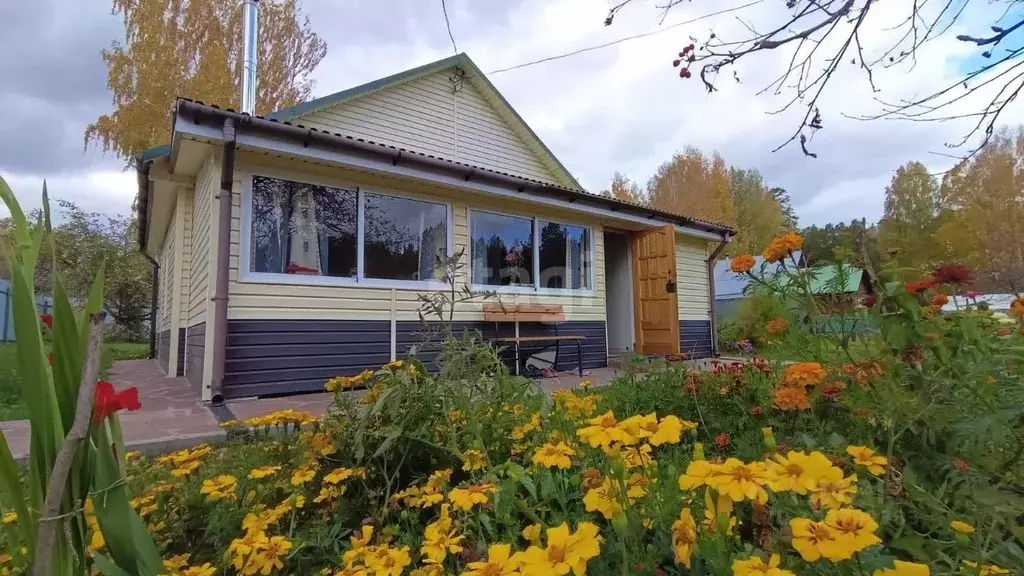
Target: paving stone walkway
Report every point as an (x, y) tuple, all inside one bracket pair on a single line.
[(172, 416)]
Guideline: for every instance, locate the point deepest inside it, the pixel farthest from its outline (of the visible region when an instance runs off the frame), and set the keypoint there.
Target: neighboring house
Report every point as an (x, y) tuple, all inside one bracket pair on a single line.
[(995, 302), (834, 293), (292, 248), (730, 287)]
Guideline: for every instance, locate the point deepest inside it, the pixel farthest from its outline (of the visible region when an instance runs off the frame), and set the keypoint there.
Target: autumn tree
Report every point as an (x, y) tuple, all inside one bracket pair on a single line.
[(908, 226), (194, 49), (759, 216), (789, 218), (693, 184), (983, 204), (622, 188), (856, 242)]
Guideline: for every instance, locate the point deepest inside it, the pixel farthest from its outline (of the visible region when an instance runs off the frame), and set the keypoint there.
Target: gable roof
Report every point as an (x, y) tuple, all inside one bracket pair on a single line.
[(473, 75)]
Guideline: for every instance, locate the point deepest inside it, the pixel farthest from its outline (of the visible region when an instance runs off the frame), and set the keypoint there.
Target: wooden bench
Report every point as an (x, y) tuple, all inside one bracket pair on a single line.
[(544, 314)]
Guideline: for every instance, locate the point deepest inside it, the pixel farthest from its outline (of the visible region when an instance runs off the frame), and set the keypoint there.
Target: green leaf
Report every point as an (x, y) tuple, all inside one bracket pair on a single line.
[(68, 355), (913, 544), (130, 546), (389, 440), (107, 567), (10, 489)]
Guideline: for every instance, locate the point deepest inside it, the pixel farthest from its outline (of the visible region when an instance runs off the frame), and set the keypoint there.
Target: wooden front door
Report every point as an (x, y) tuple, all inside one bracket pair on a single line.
[(654, 291)]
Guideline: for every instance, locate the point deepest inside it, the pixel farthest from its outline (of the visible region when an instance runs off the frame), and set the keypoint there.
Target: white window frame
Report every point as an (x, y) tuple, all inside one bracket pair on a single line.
[(536, 288), (360, 280)]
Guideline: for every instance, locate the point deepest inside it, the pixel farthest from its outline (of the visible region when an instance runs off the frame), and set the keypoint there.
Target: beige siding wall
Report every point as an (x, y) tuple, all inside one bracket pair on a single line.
[(289, 301), (165, 300), (185, 276), (199, 258), (692, 278), (427, 115)]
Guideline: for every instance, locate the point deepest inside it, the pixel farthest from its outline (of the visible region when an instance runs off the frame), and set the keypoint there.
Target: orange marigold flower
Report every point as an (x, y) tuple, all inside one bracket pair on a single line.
[(1017, 307), (960, 464), (920, 285), (862, 372), (783, 246), (777, 325), (791, 398), (803, 374), (742, 263), (940, 299), (755, 410), (1003, 332)]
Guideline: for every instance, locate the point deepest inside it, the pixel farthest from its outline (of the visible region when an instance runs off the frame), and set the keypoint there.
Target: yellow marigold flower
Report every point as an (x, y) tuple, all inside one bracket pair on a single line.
[(565, 551), (132, 455), (466, 498), (803, 374), (257, 522), (962, 527), (387, 561), (640, 426), (832, 490), (174, 564), (428, 570), (185, 469), (815, 540), (9, 518), (855, 523), (742, 263), (901, 568), (270, 556), (755, 566), (986, 570), (441, 537), (738, 481), (206, 569), (720, 511), (473, 460), (329, 492), (604, 499), (339, 475), (302, 476), (242, 549), (532, 534), (796, 471), (864, 456), (520, 432), (5, 558), (263, 472), (637, 456), (603, 431), (684, 537), (698, 473), (96, 541), (220, 488), (554, 456), (499, 563)]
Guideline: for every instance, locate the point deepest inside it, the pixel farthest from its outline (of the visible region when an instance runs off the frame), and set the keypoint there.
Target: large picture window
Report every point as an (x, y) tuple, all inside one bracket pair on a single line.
[(564, 256), (314, 230), (300, 228), (518, 251)]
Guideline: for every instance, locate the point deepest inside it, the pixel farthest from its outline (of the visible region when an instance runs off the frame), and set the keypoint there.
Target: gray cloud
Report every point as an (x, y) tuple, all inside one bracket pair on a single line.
[(56, 83)]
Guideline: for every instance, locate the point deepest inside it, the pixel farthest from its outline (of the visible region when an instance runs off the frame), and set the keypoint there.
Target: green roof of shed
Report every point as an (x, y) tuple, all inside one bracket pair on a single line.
[(826, 279)]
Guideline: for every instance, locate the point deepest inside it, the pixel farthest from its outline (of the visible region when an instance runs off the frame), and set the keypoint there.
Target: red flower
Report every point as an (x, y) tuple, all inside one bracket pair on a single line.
[(952, 274), (47, 319), (108, 401), (960, 464), (869, 300), (755, 409), (920, 285), (722, 439)]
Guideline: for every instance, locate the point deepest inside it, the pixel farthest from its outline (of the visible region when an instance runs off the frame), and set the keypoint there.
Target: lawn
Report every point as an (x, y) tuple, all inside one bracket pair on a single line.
[(11, 407)]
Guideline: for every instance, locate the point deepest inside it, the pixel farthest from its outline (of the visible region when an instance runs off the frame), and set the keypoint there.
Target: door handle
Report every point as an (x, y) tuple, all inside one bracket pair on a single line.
[(670, 286)]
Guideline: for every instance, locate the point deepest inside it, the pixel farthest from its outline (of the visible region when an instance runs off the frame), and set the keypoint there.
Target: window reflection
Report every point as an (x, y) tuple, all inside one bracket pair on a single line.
[(403, 238), (564, 256), (502, 250)]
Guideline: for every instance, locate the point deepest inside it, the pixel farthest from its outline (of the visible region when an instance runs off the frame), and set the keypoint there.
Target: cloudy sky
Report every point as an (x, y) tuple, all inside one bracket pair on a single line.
[(619, 108)]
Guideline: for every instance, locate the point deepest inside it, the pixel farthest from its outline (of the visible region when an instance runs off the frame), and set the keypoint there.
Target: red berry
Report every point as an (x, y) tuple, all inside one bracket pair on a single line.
[(681, 54), (685, 72), (690, 47), (676, 63)]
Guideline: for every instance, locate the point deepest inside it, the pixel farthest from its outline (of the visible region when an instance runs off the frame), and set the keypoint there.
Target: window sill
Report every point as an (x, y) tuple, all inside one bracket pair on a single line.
[(533, 290), (341, 282)]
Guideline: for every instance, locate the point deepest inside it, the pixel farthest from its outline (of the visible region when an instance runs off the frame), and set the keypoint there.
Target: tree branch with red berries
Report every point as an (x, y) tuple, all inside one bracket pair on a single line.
[(824, 34)]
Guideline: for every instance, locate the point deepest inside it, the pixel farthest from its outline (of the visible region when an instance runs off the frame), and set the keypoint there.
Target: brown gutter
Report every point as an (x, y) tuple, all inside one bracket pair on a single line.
[(198, 113), (220, 294), (711, 292), (142, 171)]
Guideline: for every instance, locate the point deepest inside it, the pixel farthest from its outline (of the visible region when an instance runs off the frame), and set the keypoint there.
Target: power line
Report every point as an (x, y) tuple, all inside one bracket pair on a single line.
[(620, 40), (449, 26)]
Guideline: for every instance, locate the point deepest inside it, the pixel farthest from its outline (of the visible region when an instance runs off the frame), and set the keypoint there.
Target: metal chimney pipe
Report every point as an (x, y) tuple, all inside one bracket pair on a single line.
[(250, 31)]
